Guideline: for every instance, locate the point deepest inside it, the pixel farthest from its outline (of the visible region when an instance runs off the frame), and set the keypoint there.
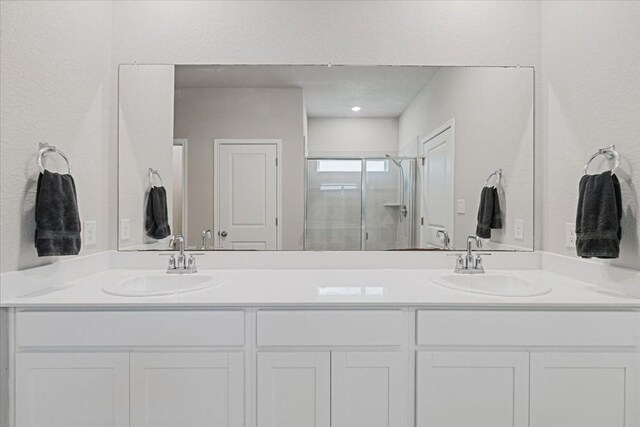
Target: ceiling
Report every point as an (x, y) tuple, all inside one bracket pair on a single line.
[(329, 91)]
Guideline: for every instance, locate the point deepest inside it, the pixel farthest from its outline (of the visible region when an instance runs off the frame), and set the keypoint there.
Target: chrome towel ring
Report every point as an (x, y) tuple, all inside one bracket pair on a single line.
[(498, 175), (46, 148), (610, 153), (155, 172)]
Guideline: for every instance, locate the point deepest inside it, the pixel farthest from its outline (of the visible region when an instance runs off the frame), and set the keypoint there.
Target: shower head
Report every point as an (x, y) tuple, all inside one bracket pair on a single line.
[(393, 159)]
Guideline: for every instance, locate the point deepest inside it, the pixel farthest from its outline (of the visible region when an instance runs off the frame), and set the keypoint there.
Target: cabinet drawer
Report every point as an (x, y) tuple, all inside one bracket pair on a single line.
[(529, 328), (129, 328), (330, 327)]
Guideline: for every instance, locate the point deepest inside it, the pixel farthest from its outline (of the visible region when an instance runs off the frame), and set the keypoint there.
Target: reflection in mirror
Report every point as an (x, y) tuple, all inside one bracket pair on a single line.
[(325, 158)]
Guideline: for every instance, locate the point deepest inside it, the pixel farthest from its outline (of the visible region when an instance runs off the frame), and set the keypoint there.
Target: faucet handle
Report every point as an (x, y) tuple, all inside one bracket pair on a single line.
[(191, 262), (459, 262), (172, 262)]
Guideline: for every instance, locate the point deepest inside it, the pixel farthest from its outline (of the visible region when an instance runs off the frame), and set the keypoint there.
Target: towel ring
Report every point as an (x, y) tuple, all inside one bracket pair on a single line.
[(45, 148), (498, 175), (610, 153), (156, 173)]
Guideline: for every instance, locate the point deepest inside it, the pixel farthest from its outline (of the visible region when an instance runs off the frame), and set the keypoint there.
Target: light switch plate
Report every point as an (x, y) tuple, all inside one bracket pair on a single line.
[(461, 206), (570, 235), (518, 229), (90, 233), (125, 229)]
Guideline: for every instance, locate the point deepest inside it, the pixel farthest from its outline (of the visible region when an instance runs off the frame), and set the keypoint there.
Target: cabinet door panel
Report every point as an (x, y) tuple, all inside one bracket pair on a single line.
[(187, 389), (72, 389), (585, 390), (480, 389), (369, 389), (294, 389)]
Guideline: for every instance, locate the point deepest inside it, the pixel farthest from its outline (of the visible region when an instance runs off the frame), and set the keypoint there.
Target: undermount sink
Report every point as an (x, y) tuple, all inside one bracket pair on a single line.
[(161, 284), (491, 284)]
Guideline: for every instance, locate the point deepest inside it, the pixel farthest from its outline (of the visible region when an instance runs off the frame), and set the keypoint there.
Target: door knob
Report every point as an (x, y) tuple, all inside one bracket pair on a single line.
[(223, 234)]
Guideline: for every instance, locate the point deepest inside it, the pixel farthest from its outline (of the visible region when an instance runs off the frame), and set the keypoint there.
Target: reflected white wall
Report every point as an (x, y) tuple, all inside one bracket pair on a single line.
[(493, 113), (145, 135)]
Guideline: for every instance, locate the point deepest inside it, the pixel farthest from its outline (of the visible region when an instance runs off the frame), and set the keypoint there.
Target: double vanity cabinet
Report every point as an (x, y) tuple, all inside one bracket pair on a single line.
[(321, 366)]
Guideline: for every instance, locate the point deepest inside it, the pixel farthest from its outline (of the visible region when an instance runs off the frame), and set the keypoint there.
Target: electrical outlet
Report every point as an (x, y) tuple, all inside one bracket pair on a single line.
[(570, 235), (518, 229), (90, 233), (125, 229), (461, 206)]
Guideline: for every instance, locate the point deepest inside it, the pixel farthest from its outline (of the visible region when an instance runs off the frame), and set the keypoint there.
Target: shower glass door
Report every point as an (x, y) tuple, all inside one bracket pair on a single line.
[(333, 208), (382, 204)]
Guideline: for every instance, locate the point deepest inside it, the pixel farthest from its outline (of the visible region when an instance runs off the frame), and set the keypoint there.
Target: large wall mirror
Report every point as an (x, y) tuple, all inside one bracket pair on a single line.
[(346, 158)]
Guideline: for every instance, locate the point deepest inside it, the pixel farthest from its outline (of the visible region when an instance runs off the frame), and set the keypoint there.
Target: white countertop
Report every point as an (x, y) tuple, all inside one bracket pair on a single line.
[(301, 288)]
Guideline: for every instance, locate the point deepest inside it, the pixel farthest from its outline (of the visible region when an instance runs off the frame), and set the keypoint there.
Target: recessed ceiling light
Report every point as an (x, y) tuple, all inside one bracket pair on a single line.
[(356, 108)]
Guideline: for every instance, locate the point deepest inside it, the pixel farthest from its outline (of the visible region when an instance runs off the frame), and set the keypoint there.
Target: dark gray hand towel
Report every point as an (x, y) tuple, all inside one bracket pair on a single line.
[(598, 229), (57, 218), (157, 218), (489, 214)]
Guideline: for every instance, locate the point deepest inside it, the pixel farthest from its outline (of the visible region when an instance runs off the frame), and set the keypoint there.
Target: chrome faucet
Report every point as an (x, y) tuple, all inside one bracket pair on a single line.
[(181, 265), (206, 233), (470, 263)]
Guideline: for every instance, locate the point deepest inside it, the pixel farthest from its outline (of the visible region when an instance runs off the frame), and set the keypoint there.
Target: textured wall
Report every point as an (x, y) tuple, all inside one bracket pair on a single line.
[(145, 135), (355, 33), (357, 137), (493, 129), (204, 114), (58, 82), (590, 99), (55, 87)]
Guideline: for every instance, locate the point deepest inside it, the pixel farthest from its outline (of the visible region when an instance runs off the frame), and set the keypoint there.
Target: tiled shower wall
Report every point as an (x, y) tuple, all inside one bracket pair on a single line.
[(334, 214)]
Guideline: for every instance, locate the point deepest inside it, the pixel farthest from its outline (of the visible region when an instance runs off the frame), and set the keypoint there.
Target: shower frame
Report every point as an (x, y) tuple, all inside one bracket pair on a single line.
[(363, 195)]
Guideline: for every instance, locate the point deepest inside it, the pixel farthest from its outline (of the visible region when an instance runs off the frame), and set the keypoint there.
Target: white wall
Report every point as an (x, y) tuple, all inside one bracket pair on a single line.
[(56, 87), (352, 137), (202, 115), (354, 33), (590, 99), (72, 44), (145, 136), (492, 108)]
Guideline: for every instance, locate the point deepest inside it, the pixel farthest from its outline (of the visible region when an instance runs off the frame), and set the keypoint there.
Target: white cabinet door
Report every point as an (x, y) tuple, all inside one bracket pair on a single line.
[(72, 389), (480, 389), (585, 390), (294, 389), (368, 389), (187, 389)]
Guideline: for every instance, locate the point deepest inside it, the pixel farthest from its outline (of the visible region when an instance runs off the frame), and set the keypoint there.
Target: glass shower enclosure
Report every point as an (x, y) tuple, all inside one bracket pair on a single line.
[(356, 204)]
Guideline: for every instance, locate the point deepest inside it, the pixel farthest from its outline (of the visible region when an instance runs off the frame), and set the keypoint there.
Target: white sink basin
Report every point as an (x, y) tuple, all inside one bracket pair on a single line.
[(491, 284), (161, 284)]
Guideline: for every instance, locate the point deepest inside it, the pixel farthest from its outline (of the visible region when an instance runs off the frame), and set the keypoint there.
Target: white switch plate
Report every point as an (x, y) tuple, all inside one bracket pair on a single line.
[(461, 206), (570, 235), (90, 233), (125, 229), (518, 229)]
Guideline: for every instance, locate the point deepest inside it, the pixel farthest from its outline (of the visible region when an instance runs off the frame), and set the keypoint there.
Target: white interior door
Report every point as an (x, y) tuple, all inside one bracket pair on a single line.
[(294, 389), (247, 194), (368, 389), (437, 187), (187, 389)]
